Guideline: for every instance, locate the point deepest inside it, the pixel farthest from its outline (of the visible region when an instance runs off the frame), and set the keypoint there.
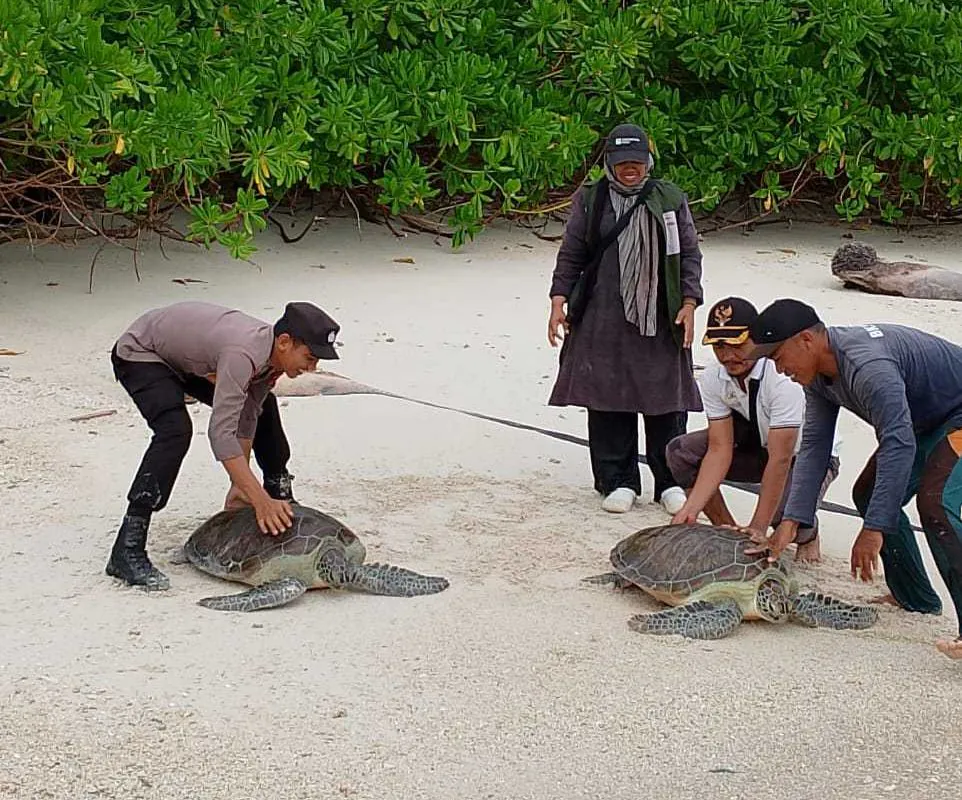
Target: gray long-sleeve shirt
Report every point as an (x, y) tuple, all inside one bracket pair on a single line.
[(210, 341), (900, 380)]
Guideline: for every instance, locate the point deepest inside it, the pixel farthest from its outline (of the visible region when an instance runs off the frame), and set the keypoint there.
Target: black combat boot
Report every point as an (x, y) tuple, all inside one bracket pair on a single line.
[(128, 558), (279, 486)]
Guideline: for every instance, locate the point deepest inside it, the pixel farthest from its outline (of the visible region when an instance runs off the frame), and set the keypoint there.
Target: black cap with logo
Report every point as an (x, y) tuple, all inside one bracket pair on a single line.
[(626, 143), (311, 325), (780, 321), (728, 321)]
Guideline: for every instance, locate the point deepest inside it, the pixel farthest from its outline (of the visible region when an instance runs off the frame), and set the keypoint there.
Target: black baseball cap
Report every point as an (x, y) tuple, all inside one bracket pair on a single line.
[(778, 322), (728, 321), (626, 143), (305, 321)]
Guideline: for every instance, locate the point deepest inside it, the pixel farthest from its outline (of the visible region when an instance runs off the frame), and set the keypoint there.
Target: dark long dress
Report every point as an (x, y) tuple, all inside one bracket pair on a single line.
[(606, 364)]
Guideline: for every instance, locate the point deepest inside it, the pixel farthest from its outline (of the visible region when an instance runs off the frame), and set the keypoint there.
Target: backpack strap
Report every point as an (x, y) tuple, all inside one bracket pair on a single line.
[(593, 211), (581, 293)]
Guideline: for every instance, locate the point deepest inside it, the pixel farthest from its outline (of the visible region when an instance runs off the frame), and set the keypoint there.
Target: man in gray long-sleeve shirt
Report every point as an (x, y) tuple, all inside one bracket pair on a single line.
[(229, 361), (907, 384)]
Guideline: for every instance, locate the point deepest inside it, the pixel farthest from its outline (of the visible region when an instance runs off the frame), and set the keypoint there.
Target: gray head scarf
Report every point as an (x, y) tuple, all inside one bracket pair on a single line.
[(637, 255)]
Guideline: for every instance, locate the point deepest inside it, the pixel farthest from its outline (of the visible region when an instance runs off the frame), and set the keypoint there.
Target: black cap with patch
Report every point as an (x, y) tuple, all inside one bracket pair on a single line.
[(780, 321), (626, 143), (728, 321), (311, 325)]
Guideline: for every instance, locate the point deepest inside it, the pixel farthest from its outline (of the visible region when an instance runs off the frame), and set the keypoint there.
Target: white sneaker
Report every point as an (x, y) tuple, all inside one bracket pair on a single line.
[(619, 501), (673, 499)]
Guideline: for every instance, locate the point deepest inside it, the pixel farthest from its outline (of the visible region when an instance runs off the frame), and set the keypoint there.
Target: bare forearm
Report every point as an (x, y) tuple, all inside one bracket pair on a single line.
[(714, 468), (772, 488), (243, 478)]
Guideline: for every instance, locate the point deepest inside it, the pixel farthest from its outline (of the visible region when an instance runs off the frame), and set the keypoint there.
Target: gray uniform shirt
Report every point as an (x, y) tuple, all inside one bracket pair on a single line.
[(900, 380), (210, 341)]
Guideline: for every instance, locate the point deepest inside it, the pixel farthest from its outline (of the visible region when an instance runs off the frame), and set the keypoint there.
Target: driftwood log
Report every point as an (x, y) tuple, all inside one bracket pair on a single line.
[(858, 266)]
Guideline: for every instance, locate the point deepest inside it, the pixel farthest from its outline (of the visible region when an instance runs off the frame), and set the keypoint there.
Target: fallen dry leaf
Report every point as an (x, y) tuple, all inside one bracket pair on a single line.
[(5, 352), (404, 260), (185, 281), (787, 250)]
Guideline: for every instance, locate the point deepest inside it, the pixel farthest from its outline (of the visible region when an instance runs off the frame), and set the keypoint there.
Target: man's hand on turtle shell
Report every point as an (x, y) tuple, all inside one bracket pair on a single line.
[(273, 516), (775, 544), (757, 536), (685, 517)]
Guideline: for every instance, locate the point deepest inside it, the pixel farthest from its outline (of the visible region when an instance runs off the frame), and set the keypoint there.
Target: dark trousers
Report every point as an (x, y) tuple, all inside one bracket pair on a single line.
[(936, 484), (158, 393), (613, 444)]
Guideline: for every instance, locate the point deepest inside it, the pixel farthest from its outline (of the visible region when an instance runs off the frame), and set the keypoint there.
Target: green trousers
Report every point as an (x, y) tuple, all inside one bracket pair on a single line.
[(936, 484)]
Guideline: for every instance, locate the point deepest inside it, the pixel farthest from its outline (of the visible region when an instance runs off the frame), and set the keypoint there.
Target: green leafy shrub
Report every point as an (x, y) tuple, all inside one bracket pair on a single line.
[(473, 108)]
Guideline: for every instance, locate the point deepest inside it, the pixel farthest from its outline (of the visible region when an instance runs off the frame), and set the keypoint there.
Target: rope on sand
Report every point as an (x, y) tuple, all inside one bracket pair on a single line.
[(334, 384)]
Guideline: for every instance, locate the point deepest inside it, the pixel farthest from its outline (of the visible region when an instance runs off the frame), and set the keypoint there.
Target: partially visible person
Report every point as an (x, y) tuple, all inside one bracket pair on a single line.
[(907, 384), (624, 303), (755, 417), (229, 361)]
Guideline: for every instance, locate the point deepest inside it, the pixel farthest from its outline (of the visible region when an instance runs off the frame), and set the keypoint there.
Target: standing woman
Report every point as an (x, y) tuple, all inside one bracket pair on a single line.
[(624, 290)]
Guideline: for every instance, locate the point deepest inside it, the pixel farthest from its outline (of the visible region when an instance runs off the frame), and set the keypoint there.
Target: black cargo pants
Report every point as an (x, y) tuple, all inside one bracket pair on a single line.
[(158, 392)]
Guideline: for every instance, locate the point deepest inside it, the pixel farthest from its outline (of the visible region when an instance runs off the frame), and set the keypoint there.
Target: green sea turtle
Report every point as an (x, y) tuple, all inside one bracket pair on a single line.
[(858, 266), (702, 571), (316, 552)]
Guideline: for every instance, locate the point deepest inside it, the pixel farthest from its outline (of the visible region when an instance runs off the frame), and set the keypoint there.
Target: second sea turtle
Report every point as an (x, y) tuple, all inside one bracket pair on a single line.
[(703, 572), (316, 552)]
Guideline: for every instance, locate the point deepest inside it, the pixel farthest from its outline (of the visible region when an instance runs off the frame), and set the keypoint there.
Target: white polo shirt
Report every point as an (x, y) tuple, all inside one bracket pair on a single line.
[(781, 401)]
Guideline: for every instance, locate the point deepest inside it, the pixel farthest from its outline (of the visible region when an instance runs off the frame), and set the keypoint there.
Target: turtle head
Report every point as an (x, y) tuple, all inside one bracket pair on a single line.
[(773, 600)]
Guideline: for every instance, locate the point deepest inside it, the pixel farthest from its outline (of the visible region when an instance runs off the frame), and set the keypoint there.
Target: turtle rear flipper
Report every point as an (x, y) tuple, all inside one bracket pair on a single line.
[(267, 595), (177, 555), (815, 609), (608, 577), (698, 620)]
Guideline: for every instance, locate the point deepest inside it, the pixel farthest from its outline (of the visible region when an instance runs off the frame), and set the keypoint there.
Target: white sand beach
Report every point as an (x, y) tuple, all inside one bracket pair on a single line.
[(516, 683)]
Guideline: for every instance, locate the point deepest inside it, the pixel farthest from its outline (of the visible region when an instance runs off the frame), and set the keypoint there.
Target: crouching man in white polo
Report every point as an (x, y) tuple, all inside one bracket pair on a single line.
[(755, 417)]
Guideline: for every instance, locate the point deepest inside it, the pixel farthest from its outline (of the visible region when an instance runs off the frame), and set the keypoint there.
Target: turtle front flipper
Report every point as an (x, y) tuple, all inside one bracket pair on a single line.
[(267, 595), (817, 610), (698, 620), (393, 581), (381, 579)]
